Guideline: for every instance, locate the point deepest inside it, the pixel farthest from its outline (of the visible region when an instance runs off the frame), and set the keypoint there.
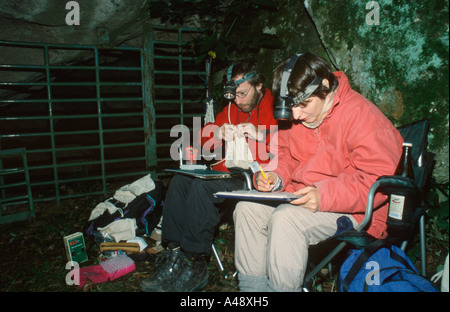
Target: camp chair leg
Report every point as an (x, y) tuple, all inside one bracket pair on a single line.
[(219, 262), (403, 245), (220, 265), (330, 270), (422, 245), (216, 255), (423, 256)]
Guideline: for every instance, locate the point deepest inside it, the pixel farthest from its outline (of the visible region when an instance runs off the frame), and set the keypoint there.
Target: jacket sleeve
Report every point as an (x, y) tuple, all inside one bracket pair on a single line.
[(372, 155), (283, 163)]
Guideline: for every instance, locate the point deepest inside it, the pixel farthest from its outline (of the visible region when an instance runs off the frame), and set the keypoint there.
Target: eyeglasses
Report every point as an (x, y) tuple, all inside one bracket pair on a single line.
[(243, 94)]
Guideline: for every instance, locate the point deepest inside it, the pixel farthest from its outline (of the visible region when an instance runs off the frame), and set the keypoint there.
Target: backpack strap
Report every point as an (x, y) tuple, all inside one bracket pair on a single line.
[(403, 261), (360, 261)]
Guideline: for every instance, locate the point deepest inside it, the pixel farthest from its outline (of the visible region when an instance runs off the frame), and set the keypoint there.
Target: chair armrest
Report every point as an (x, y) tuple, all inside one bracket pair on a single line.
[(390, 184), (242, 173), (248, 179), (386, 185)]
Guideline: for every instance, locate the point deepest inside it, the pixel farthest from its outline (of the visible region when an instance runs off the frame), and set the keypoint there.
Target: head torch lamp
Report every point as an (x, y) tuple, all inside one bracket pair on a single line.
[(285, 102), (229, 90)]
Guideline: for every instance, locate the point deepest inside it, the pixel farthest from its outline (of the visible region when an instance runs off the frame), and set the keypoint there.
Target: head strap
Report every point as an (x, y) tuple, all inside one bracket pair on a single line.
[(237, 83), (302, 96), (284, 92)]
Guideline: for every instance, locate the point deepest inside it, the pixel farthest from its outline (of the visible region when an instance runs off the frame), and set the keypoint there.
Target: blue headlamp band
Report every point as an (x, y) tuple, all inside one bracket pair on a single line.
[(237, 83)]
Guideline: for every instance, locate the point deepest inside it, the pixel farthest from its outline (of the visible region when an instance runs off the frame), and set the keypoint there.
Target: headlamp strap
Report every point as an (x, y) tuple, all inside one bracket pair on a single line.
[(230, 70), (302, 96), (284, 92), (246, 77)]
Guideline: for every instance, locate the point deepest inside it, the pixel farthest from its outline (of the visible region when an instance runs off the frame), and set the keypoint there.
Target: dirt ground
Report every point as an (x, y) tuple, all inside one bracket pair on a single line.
[(33, 258)]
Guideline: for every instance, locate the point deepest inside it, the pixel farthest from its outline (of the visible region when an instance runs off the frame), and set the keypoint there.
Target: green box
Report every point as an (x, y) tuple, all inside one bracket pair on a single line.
[(75, 247)]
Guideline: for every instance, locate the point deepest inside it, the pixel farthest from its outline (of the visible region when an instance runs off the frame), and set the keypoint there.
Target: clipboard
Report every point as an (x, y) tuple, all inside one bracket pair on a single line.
[(256, 195), (206, 174)]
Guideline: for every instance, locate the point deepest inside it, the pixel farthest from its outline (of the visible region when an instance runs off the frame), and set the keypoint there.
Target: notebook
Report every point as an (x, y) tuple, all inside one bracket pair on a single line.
[(202, 173), (256, 195)]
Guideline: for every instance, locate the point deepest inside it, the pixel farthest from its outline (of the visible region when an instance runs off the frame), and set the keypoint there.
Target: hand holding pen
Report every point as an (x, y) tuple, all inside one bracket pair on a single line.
[(265, 181)]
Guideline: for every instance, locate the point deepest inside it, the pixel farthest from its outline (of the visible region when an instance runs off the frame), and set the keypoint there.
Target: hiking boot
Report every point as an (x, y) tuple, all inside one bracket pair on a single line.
[(191, 275), (165, 266)]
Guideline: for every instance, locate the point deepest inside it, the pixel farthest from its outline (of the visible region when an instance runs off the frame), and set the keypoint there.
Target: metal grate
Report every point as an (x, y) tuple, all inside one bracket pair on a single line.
[(104, 117), (21, 186), (179, 87)]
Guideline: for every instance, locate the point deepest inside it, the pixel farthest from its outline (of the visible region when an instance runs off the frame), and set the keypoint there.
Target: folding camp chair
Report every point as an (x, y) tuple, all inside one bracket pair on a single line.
[(400, 231)]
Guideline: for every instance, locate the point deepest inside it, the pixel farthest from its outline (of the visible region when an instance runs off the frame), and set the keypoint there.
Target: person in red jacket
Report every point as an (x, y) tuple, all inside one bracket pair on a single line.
[(190, 213), (250, 115), (338, 144)]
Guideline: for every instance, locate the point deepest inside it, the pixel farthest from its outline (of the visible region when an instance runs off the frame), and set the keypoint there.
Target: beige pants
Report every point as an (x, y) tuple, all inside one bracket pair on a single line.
[(273, 242)]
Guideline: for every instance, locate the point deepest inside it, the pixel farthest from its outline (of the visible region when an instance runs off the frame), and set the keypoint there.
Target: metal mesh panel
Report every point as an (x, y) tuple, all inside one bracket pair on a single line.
[(104, 116), (179, 87)]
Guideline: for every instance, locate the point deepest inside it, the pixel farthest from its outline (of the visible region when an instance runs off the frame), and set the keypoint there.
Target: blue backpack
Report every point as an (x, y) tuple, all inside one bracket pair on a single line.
[(381, 267)]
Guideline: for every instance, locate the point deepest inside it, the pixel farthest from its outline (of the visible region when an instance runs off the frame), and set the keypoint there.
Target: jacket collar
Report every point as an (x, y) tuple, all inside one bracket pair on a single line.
[(340, 92)]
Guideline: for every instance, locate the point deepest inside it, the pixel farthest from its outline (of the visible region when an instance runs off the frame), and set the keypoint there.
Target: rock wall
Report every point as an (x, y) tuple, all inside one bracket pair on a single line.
[(396, 54), (45, 20)]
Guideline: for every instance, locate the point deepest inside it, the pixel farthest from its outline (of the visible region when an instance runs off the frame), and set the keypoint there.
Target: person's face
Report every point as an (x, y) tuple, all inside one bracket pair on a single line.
[(309, 110), (247, 96)]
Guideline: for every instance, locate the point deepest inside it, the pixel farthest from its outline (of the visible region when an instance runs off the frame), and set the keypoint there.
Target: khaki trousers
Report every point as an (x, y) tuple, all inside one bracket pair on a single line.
[(273, 242)]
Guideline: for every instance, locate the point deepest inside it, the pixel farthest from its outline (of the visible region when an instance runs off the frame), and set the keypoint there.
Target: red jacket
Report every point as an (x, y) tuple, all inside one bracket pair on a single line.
[(261, 115), (354, 145)]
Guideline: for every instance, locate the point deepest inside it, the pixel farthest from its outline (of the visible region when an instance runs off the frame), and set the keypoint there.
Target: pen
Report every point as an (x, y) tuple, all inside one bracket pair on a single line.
[(264, 175)]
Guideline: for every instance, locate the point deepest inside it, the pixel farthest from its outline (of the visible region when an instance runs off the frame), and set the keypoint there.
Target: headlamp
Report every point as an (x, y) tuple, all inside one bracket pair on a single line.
[(229, 90), (283, 107)]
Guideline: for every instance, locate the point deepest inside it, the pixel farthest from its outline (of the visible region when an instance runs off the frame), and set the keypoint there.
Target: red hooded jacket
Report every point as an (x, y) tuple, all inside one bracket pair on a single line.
[(354, 145), (261, 115)]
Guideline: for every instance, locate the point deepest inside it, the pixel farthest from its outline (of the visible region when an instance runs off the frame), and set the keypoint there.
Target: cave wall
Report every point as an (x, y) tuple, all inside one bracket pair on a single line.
[(394, 52), (45, 20), (101, 23)]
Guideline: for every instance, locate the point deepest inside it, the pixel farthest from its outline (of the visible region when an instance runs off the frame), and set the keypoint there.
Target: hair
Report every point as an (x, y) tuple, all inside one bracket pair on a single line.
[(245, 66), (307, 67)]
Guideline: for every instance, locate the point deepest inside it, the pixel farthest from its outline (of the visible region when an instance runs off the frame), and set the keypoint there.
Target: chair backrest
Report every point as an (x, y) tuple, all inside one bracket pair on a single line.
[(417, 134)]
